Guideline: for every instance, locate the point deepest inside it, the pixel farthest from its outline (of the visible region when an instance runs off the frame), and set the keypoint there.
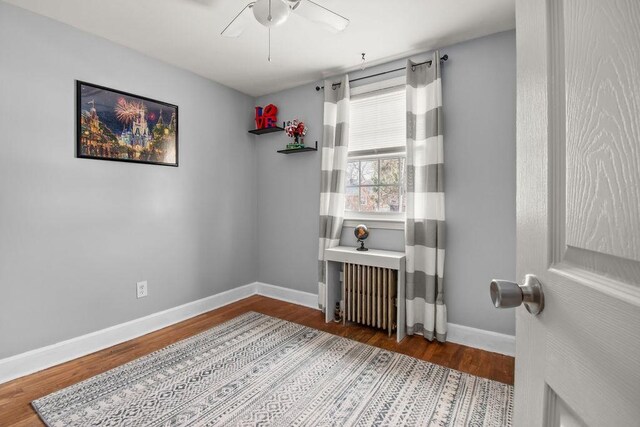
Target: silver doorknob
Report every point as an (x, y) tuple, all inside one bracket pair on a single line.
[(506, 294)]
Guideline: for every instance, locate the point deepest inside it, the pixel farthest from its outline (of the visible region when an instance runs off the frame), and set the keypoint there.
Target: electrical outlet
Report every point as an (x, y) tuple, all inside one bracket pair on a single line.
[(141, 289)]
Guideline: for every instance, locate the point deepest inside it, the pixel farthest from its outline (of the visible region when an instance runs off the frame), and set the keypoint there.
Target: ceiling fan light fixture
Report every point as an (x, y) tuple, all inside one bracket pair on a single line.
[(271, 13)]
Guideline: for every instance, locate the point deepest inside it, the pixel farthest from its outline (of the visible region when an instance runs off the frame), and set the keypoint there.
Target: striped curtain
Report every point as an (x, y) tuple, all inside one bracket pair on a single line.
[(334, 164), (425, 226)]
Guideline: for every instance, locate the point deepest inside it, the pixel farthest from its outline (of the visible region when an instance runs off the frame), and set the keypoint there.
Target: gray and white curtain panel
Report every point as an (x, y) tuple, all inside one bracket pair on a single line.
[(335, 143), (425, 226)]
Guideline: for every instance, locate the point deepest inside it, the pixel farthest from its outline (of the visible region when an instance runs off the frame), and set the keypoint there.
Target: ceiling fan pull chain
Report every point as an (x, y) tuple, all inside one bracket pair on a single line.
[(270, 17)]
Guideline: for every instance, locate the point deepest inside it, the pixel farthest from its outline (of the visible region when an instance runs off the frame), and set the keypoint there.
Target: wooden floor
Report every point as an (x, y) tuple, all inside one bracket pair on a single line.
[(15, 396)]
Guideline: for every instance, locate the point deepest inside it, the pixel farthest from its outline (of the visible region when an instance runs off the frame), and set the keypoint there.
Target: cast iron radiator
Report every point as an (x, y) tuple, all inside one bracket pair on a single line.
[(370, 296)]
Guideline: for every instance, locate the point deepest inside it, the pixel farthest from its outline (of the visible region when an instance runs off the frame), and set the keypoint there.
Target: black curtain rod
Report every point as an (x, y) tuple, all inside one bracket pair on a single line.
[(335, 85)]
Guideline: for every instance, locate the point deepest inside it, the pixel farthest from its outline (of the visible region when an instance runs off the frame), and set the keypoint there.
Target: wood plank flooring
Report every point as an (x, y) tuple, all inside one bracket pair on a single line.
[(16, 396)]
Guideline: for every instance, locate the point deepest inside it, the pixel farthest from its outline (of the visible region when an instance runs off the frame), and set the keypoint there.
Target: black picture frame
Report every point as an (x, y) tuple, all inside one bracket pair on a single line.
[(136, 140)]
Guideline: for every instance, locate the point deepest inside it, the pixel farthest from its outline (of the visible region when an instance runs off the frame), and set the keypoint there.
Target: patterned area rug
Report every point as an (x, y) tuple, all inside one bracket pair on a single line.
[(259, 370)]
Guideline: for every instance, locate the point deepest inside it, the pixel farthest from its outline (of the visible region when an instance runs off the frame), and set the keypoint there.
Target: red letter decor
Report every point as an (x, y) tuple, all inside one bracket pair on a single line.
[(266, 118)]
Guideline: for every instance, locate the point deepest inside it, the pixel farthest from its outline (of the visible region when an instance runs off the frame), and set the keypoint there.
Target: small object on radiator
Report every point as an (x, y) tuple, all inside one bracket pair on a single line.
[(361, 232), (337, 317)]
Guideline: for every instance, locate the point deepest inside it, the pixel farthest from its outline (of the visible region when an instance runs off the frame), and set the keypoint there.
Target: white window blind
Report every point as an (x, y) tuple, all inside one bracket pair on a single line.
[(378, 121)]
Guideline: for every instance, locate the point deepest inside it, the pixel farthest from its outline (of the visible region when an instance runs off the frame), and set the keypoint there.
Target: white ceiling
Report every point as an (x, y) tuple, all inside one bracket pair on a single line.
[(186, 33)]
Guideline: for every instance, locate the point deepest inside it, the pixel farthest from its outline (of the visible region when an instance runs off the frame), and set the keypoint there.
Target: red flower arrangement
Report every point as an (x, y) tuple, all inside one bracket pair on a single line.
[(295, 129)]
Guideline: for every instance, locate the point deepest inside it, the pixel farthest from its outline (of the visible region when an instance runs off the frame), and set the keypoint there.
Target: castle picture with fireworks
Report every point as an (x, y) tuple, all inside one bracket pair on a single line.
[(115, 125)]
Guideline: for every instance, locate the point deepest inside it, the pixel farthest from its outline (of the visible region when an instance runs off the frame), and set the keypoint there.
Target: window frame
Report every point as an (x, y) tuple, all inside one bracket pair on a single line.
[(384, 219), (401, 184)]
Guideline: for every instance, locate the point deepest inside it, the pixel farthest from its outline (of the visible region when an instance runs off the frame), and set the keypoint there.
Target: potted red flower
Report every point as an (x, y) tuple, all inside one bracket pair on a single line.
[(296, 130)]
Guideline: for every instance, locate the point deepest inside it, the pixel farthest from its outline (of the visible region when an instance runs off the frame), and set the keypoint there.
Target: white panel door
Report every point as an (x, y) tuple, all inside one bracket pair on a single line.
[(578, 362)]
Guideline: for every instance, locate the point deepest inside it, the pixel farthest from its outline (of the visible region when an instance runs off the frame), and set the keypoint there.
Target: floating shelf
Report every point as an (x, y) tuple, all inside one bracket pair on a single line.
[(299, 150), (266, 130)]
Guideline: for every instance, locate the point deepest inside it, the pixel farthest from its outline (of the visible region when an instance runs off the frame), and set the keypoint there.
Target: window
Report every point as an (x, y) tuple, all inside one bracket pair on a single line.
[(375, 184), (375, 178)]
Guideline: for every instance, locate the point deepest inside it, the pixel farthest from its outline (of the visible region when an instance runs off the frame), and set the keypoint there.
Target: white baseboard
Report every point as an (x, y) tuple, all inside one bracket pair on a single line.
[(306, 299), (36, 360), (459, 334), (42, 358), (482, 339)]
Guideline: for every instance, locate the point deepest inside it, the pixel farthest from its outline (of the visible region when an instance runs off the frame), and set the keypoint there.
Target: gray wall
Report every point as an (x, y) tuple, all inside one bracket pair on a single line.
[(479, 90), (76, 234)]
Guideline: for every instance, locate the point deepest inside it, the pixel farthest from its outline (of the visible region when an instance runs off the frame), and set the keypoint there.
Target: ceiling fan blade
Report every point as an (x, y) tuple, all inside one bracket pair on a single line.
[(321, 15), (239, 23)]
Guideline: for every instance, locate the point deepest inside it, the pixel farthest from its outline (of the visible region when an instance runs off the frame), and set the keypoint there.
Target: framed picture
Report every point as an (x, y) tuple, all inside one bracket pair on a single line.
[(115, 125)]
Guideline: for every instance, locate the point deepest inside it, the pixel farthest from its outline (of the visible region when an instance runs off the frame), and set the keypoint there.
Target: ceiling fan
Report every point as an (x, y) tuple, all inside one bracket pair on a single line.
[(272, 13)]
